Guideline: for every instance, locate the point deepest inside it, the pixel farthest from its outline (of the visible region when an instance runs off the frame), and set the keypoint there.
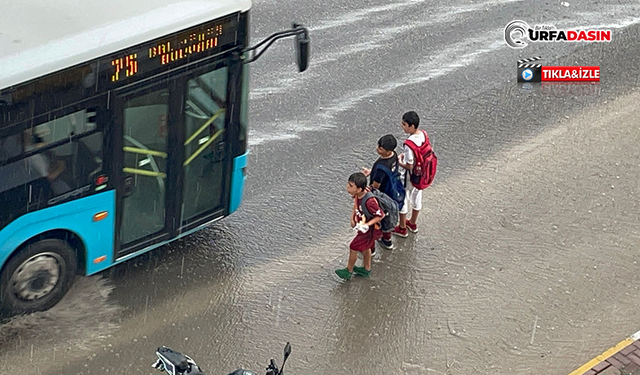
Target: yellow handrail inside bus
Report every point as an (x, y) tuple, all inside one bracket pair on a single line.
[(209, 121), (136, 150), (144, 173), (205, 145)]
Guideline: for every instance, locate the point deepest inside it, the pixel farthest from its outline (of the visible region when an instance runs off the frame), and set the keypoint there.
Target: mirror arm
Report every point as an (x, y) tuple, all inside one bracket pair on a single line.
[(286, 355), (271, 39)]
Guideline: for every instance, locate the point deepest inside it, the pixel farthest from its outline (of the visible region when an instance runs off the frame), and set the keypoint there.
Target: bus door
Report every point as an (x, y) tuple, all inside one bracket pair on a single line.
[(174, 168), (144, 208), (205, 165)]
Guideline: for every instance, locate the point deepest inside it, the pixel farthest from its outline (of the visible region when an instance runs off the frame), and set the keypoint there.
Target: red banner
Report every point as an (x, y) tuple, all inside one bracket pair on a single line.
[(571, 73)]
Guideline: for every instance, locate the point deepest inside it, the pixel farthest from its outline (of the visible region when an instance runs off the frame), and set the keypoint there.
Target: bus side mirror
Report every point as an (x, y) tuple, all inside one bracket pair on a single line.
[(302, 49)]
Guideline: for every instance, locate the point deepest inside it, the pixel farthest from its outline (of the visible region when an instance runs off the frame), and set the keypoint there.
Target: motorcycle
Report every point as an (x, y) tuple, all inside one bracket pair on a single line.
[(176, 363)]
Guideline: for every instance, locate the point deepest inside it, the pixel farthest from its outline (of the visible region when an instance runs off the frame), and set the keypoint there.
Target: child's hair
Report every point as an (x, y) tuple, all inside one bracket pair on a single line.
[(388, 142), (411, 118), (359, 179)]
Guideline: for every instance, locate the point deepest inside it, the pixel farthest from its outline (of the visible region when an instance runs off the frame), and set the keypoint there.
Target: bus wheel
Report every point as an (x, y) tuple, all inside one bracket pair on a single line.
[(37, 277)]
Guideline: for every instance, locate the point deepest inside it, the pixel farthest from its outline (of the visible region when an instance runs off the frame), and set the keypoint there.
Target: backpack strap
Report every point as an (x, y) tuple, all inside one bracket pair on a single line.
[(412, 145), (395, 170), (363, 205), (427, 142), (386, 170)]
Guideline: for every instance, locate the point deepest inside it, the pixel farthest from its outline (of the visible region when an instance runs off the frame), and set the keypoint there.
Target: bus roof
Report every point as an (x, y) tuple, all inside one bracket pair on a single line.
[(40, 37)]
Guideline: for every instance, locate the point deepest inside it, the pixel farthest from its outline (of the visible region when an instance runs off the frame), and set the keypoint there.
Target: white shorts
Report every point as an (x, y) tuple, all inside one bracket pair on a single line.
[(412, 199)]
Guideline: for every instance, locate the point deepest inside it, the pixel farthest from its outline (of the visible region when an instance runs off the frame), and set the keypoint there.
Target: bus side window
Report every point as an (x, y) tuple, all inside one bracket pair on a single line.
[(73, 164), (30, 183), (88, 157), (12, 174), (22, 186), (10, 147)]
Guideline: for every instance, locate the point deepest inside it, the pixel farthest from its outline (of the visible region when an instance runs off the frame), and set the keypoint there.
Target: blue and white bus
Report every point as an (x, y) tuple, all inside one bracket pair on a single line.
[(123, 126)]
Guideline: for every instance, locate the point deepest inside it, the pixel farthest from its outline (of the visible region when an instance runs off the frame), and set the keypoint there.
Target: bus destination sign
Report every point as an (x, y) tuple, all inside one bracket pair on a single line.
[(173, 50)]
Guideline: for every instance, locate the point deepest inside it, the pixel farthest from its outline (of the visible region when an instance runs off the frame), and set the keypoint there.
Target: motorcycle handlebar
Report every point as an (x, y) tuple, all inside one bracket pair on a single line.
[(176, 363)]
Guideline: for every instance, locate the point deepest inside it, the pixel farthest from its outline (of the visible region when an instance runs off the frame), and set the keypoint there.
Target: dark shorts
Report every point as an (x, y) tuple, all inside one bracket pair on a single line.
[(364, 241)]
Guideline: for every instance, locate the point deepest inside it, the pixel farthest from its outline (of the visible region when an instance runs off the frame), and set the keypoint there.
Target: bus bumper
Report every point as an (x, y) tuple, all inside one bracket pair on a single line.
[(238, 178)]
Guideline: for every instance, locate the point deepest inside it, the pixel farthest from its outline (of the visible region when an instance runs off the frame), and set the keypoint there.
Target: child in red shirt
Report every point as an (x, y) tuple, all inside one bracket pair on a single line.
[(368, 229)]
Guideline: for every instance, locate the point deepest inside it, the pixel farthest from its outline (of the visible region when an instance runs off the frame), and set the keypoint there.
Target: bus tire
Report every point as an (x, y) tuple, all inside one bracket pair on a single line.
[(37, 277)]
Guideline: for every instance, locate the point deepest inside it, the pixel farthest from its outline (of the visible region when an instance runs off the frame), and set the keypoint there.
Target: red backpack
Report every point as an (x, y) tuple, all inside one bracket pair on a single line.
[(424, 165)]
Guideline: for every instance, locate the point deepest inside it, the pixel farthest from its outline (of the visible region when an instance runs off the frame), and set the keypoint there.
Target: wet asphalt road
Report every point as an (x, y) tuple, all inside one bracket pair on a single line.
[(524, 227)]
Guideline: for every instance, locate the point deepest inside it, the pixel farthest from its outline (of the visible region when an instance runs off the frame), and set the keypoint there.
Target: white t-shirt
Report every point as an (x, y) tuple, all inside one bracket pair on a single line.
[(418, 139)]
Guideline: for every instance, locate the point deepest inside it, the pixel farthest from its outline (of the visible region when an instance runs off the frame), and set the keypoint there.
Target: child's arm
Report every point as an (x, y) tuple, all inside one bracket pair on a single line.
[(374, 221), (401, 163), (374, 177), (353, 214)]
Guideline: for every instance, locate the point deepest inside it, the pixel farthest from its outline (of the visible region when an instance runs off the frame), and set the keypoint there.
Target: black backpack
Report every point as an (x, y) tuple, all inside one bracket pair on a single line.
[(388, 205)]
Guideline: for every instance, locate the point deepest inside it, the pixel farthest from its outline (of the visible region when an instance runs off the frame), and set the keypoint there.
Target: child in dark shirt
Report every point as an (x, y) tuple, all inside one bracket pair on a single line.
[(378, 179), (368, 229)]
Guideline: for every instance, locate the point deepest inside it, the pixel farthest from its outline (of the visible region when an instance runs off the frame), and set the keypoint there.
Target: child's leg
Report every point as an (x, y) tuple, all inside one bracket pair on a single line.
[(366, 255), (359, 242), (353, 257), (385, 241), (402, 217), (402, 220), (414, 216), (366, 269), (416, 204)]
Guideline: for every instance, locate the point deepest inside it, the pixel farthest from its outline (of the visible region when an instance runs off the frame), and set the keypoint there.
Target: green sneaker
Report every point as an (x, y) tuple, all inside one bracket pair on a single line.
[(344, 273), (361, 271)]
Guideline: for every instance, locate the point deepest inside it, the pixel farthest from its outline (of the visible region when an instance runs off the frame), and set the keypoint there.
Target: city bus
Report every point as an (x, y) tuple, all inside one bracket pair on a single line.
[(123, 126)]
